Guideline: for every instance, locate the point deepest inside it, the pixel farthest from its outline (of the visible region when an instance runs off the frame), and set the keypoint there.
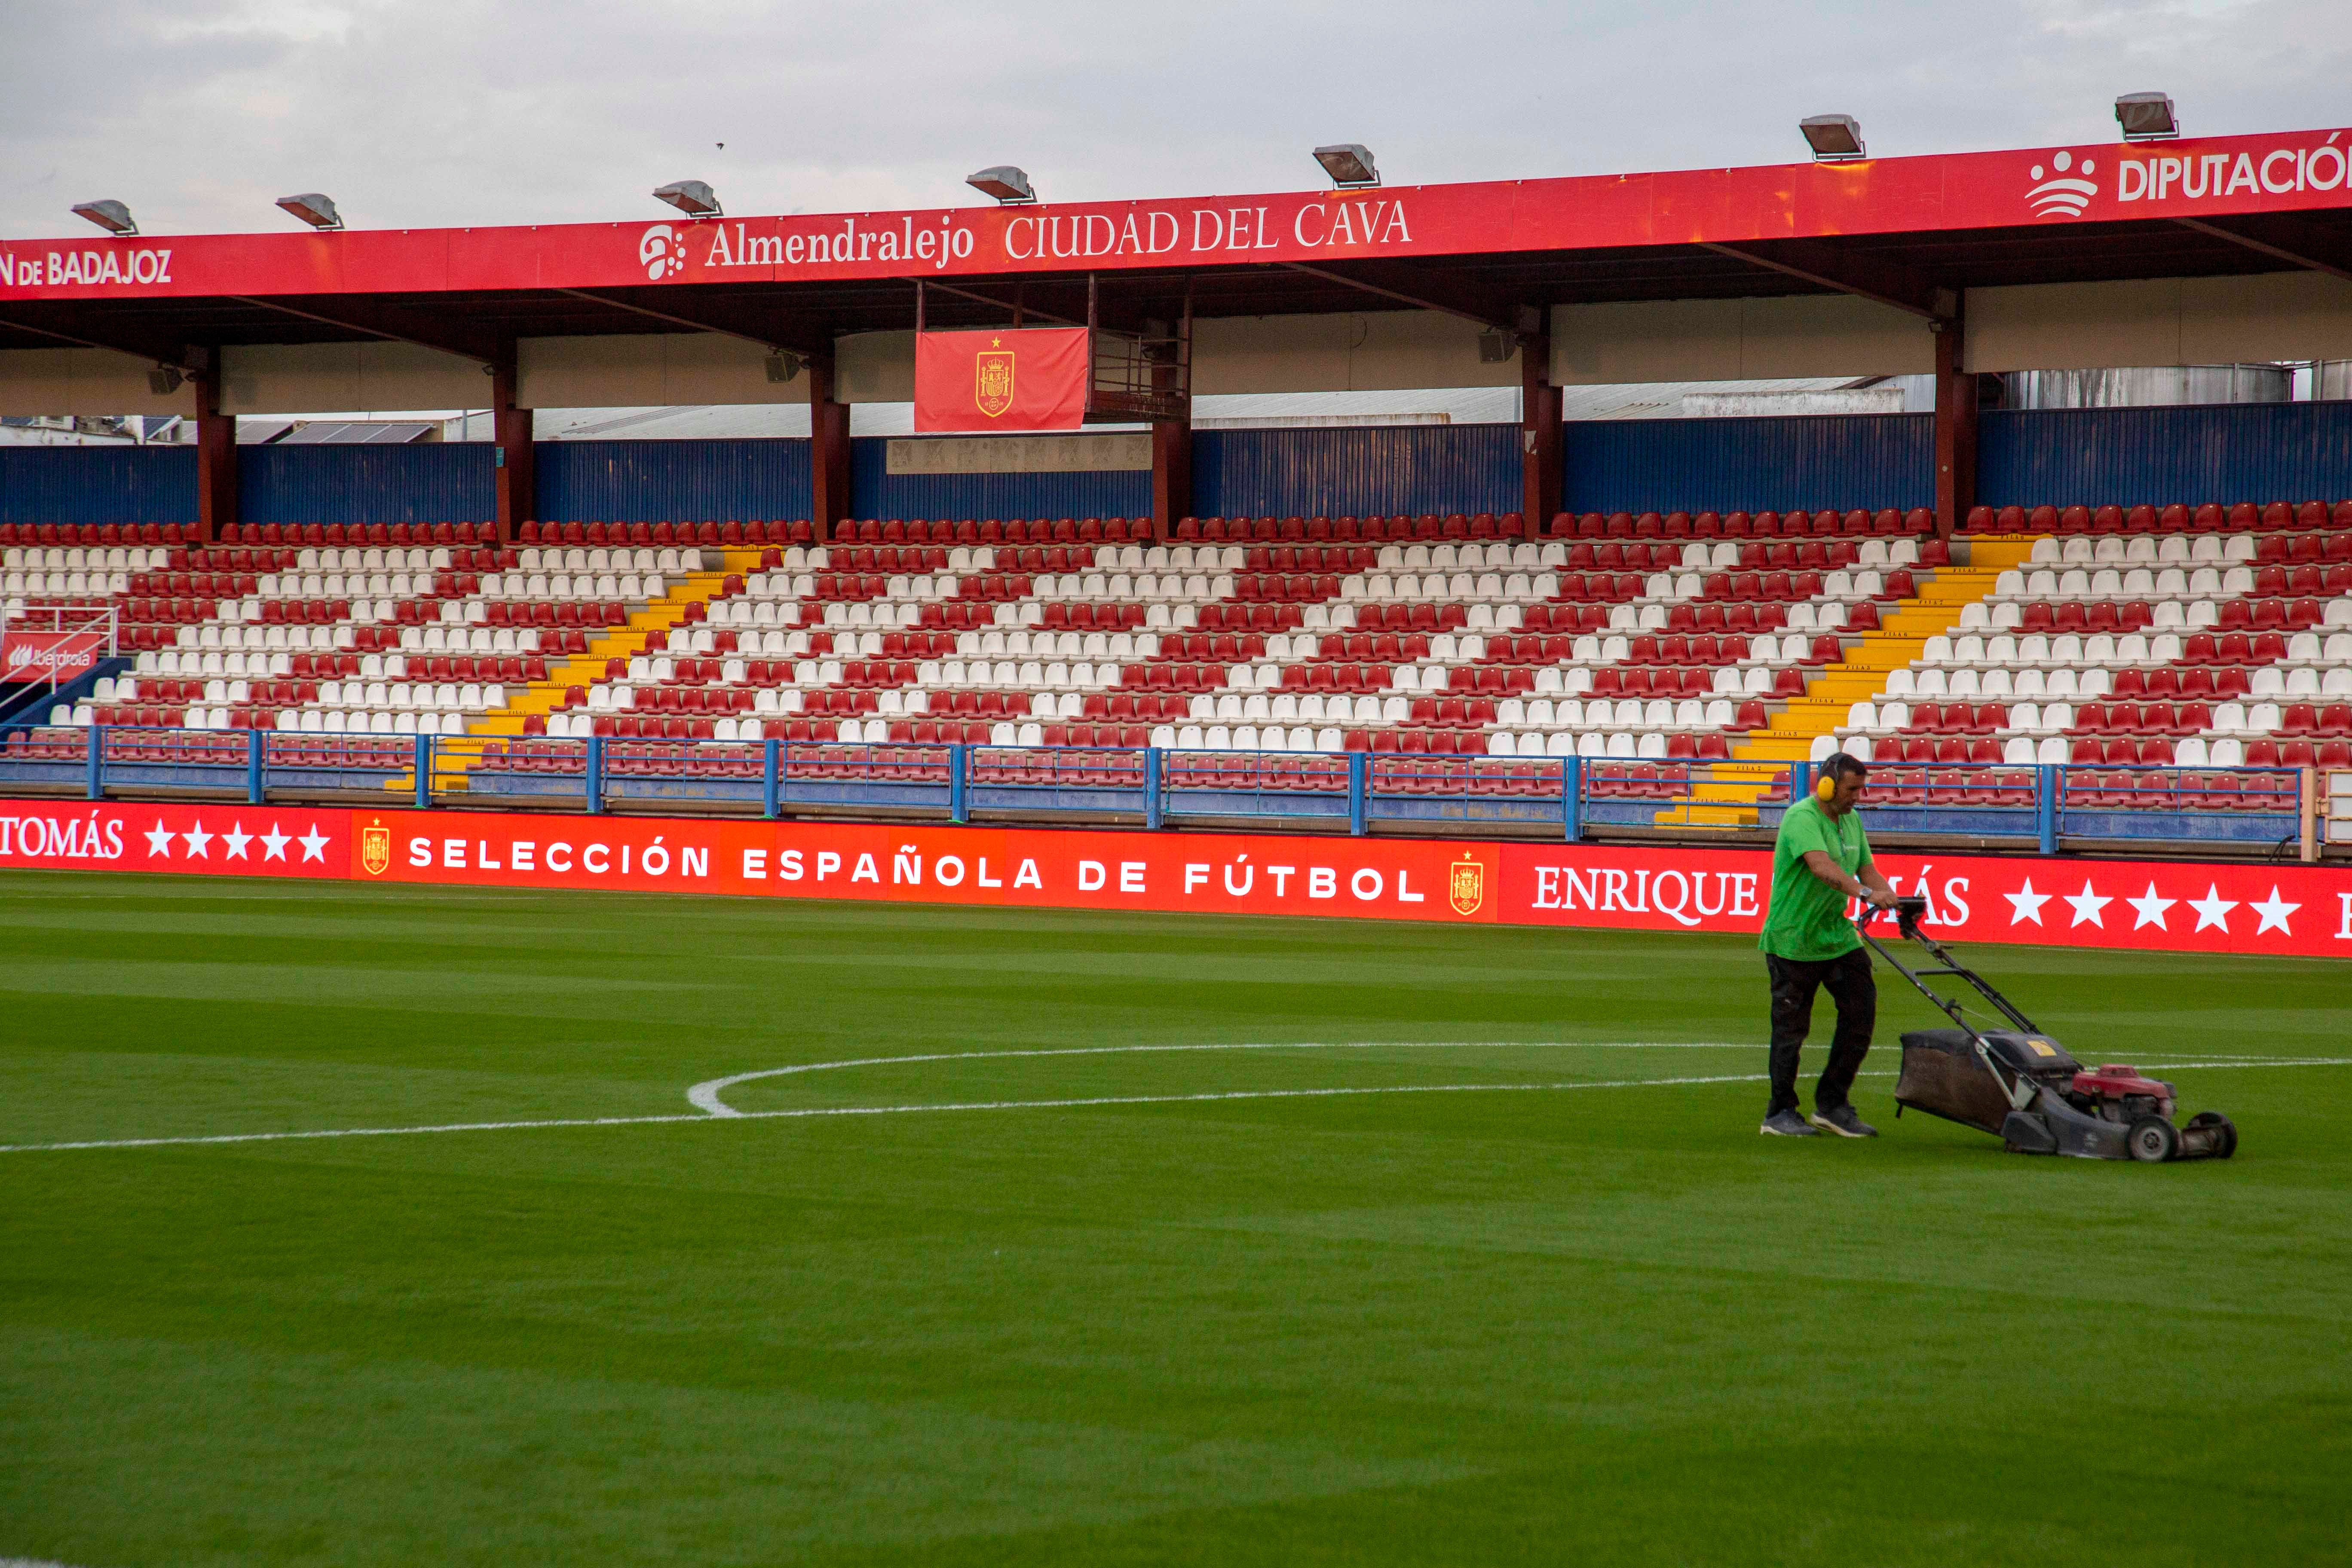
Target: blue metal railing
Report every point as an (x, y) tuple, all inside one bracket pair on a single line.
[(2037, 805)]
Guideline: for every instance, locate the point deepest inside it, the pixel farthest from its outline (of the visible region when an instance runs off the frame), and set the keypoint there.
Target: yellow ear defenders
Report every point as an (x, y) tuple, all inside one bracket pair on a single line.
[(1825, 786)]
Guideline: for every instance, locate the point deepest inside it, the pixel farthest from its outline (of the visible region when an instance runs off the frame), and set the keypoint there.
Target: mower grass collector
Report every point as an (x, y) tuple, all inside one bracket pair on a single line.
[(2023, 1087)]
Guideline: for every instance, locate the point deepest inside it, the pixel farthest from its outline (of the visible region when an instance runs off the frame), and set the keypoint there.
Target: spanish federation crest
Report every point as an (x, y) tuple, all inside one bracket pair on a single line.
[(1465, 886), (992, 380), (376, 849)]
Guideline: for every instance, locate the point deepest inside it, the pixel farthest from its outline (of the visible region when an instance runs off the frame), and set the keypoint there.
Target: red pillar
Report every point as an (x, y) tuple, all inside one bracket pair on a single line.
[(1172, 475), (511, 429), (828, 451), (1956, 429), (215, 459), (1539, 444)]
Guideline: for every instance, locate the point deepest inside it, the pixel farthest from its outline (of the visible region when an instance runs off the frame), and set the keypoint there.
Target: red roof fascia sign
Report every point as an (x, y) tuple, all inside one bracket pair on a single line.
[(2093, 182)]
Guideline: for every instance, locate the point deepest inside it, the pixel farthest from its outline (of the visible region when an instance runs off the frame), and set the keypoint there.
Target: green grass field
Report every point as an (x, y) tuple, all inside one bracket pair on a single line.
[(1597, 1320)]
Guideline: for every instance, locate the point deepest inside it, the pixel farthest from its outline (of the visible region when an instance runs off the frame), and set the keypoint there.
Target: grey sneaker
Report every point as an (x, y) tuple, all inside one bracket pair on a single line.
[(1844, 1123), (1786, 1124)]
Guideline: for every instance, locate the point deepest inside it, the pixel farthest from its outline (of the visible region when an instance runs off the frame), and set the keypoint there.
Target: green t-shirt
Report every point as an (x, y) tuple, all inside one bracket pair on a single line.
[(1806, 919)]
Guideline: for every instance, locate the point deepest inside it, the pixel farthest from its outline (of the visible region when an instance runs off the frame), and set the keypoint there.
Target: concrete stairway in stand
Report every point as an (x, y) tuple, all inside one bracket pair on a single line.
[(1730, 796), (453, 757)]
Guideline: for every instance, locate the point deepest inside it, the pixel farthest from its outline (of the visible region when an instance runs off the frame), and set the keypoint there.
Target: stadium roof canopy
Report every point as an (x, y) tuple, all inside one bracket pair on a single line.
[(1912, 234)]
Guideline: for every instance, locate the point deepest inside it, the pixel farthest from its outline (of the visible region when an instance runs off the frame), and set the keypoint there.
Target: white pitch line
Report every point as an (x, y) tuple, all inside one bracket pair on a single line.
[(2244, 1062), (808, 1112), (726, 1114), (706, 1095), (345, 1132)]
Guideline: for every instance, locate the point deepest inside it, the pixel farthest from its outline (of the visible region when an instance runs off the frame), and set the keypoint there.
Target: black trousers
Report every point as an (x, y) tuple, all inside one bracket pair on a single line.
[(1850, 985)]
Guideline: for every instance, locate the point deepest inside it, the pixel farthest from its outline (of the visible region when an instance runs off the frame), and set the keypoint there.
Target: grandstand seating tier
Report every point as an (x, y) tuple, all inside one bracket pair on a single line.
[(2202, 637)]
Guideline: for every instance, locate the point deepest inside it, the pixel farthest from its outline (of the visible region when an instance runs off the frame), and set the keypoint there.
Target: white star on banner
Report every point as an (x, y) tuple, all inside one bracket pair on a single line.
[(314, 843), (2087, 906), (274, 843), (2212, 910), (158, 840), (237, 838), (2151, 908), (2025, 904), (2274, 913), (197, 840)]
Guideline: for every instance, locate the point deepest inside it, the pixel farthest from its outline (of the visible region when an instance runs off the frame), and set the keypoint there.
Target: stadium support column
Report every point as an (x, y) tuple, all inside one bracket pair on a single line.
[(1955, 427), (511, 428), (1539, 444), (828, 450), (1171, 439), (1172, 475), (216, 458)]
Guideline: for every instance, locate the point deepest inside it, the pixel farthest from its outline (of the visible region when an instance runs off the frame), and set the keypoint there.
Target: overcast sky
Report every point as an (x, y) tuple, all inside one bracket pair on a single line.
[(429, 112)]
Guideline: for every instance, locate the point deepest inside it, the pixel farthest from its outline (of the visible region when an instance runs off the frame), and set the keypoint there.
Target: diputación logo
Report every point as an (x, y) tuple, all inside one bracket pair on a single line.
[(2063, 189)]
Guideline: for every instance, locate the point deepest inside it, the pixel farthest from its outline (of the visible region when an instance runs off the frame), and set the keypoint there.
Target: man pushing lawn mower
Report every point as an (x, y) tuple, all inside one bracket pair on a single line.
[(2011, 1081), (1821, 859)]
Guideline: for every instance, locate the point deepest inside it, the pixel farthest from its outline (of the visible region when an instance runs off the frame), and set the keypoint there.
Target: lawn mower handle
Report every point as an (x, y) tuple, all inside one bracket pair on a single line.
[(1908, 912)]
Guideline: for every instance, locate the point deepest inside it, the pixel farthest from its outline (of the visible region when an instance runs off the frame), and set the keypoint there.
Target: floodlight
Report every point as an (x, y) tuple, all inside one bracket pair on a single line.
[(1008, 184), (311, 207), (164, 379), (1350, 164), (109, 215), (2147, 117), (692, 198), (1834, 138), (782, 367)]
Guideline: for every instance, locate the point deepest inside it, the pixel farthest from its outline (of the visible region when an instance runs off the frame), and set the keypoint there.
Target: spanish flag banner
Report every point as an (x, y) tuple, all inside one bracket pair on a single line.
[(1032, 379)]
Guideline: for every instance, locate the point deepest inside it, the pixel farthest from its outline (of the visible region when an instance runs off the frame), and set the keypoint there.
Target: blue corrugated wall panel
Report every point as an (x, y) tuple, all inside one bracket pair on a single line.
[(877, 492), (1868, 460), (665, 481), (2224, 453), (98, 484), (428, 482), (1383, 470), (1377, 470), (2193, 454)]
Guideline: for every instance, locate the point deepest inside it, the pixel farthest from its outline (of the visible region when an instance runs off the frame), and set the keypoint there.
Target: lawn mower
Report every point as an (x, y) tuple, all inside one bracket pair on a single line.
[(2023, 1087)]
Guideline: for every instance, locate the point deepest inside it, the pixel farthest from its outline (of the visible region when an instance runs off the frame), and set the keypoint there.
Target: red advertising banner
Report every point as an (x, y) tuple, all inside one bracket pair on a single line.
[(2096, 181), (207, 840), (894, 863), (2150, 906), (48, 658), (1033, 378), (2161, 906)]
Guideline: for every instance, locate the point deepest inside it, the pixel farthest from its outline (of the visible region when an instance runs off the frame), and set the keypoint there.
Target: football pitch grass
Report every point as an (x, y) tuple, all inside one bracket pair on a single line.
[(1532, 1290)]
